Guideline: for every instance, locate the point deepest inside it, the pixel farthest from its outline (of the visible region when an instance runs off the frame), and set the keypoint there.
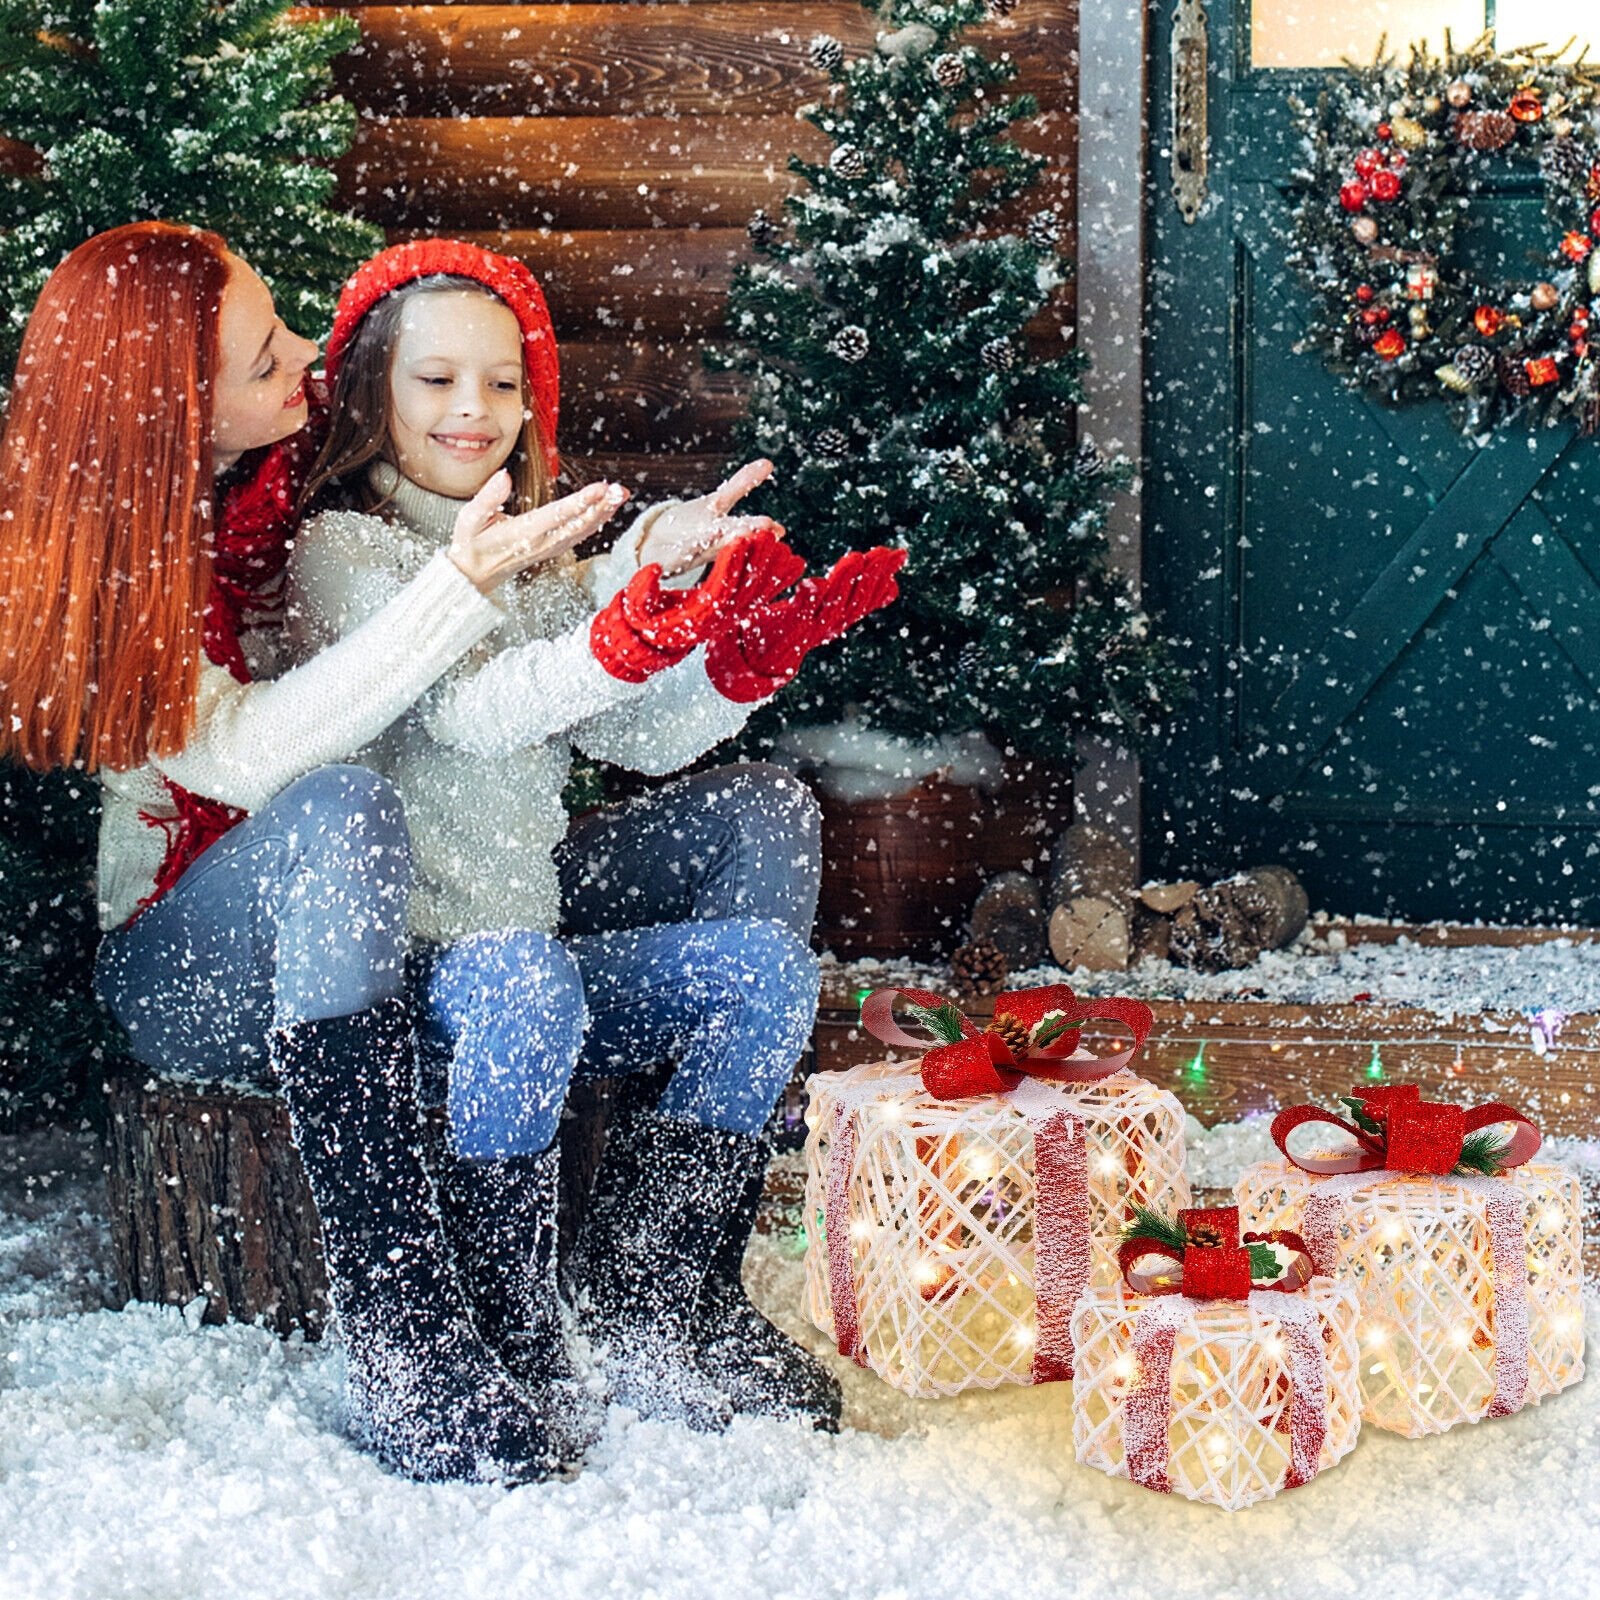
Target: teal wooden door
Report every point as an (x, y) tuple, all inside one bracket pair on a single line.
[(1394, 631)]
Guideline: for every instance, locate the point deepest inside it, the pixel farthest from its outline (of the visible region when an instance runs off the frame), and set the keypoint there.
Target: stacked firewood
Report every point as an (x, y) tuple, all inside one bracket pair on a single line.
[(1094, 915)]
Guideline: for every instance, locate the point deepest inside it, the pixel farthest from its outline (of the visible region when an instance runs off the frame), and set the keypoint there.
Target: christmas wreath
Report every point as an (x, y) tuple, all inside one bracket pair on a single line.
[(1394, 155)]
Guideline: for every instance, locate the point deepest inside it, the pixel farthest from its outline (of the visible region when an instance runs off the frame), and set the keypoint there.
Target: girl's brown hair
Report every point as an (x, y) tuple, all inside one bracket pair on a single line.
[(358, 432), (106, 501)]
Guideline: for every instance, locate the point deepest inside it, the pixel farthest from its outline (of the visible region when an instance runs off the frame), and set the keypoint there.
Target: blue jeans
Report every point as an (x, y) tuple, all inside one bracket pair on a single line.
[(686, 921), (296, 915)]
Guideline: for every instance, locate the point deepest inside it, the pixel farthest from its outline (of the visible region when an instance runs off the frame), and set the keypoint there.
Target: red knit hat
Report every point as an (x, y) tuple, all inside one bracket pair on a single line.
[(510, 280)]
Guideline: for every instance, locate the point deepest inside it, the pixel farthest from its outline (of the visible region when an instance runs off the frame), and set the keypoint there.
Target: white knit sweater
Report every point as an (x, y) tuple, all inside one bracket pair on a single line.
[(251, 740), (481, 759)]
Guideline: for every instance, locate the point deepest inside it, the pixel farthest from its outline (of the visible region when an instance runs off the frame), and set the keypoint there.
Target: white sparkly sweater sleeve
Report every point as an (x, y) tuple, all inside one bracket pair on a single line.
[(251, 740), (347, 563)]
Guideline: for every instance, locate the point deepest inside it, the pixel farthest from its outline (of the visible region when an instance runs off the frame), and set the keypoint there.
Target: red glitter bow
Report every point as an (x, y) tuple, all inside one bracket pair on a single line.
[(1396, 1130), (1213, 1262), (963, 1059)]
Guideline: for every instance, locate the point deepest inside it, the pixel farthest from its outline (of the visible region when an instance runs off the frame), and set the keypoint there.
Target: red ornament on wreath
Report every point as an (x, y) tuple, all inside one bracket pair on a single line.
[(1365, 294), (1444, 124)]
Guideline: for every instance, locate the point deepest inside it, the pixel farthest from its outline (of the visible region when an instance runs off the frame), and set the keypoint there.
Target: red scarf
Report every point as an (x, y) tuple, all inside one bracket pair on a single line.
[(254, 524)]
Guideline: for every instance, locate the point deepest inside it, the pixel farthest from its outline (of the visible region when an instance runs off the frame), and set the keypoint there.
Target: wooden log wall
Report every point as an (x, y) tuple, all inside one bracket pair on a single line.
[(619, 149)]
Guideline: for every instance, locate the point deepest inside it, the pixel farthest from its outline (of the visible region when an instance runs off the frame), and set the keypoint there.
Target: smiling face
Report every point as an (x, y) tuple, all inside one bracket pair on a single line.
[(455, 390), (260, 392)]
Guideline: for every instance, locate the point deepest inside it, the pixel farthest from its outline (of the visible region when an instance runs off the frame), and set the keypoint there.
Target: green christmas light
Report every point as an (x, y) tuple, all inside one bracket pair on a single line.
[(1375, 1065), (862, 996), (1196, 1069)]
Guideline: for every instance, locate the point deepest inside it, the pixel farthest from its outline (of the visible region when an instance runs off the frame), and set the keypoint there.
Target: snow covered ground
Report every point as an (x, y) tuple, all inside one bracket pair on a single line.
[(145, 1456)]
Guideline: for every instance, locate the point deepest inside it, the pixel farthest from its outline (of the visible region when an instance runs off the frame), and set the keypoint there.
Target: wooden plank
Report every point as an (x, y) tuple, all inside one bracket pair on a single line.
[(571, 172), (1447, 935), (1260, 1056), (714, 59), (644, 396), (653, 280), (666, 475)]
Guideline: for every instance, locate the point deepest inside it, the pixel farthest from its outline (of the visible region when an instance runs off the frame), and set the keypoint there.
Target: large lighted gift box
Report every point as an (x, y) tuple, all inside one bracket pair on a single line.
[(1220, 1369), (1466, 1254), (954, 1212)]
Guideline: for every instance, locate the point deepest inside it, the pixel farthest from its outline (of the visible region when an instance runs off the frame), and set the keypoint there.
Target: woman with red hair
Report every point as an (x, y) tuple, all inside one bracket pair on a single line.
[(254, 890)]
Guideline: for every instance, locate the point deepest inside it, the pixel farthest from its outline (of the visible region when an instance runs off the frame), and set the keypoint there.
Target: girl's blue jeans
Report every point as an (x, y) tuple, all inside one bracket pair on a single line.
[(686, 919)]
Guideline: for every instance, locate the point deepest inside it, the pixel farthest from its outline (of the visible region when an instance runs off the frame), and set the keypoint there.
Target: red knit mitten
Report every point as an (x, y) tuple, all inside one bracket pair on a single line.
[(646, 628), (764, 649)]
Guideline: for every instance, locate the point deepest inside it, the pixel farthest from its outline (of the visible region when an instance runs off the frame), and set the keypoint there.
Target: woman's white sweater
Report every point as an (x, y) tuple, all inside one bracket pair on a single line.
[(481, 758), (251, 740)]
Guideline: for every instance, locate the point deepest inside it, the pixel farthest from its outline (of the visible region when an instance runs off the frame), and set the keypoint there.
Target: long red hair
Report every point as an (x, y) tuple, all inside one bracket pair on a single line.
[(106, 501)]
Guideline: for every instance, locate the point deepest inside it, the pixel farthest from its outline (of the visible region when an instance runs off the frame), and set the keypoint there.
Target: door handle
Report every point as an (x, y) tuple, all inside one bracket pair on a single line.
[(1190, 139)]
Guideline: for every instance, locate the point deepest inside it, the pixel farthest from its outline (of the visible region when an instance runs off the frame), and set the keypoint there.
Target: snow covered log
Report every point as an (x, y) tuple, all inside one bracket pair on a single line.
[(209, 1200)]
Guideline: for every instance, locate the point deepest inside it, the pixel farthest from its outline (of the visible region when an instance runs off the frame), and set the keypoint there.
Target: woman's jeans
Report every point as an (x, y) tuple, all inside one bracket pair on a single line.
[(686, 916)]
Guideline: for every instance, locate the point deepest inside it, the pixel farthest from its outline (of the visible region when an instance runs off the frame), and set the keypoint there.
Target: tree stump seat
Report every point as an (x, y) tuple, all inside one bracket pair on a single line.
[(209, 1199)]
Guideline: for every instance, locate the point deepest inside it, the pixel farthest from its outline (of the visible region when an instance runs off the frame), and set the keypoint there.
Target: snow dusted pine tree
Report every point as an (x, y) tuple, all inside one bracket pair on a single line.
[(184, 110), (884, 328)]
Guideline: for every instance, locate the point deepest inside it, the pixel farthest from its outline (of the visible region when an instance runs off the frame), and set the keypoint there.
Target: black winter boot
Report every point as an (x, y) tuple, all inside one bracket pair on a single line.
[(657, 1230), (500, 1220), (760, 1368), (422, 1390)]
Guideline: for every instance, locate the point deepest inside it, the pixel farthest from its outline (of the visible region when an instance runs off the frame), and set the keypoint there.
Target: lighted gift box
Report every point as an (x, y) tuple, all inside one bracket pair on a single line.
[(1470, 1285), (954, 1214), (1227, 1394)]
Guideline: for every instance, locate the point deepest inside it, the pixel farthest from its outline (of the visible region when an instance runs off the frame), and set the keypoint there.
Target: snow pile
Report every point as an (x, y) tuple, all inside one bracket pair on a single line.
[(145, 1456), (1458, 981), (850, 761)]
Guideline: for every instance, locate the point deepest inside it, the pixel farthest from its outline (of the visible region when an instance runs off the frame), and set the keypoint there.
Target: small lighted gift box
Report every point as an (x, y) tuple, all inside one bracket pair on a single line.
[(1220, 1368), (954, 1213), (1466, 1254)]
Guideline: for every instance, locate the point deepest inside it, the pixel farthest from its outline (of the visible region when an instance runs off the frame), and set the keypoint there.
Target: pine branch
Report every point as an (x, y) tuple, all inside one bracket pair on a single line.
[(943, 1022), (1484, 1152), (1155, 1227)]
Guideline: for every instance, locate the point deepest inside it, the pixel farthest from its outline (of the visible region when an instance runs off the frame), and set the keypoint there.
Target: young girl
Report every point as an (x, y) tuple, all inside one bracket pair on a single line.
[(254, 894), (685, 919)]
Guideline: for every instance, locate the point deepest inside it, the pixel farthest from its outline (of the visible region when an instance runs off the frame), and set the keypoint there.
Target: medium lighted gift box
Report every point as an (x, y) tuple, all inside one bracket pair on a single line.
[(954, 1213), (1220, 1368), (1466, 1253)]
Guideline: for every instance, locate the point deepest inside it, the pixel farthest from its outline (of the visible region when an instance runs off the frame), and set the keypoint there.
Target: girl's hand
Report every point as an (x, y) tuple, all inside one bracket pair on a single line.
[(689, 533), (489, 547)]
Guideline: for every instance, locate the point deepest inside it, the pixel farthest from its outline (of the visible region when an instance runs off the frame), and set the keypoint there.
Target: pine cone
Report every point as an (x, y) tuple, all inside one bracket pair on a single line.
[(1044, 229), (848, 162), (830, 444), (1090, 460), (1000, 355), (948, 71), (1475, 363), (850, 344), (761, 228), (980, 966), (1486, 130), (1565, 162), (955, 466), (827, 54), (1226, 925), (1013, 1031), (1002, 8), (1514, 375), (969, 661)]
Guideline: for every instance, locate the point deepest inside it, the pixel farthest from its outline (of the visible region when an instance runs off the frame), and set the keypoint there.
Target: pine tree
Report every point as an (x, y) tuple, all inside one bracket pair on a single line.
[(180, 109), (894, 387)]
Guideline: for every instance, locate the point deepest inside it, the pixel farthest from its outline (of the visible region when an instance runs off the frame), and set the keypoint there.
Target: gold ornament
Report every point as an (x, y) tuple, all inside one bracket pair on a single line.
[(1365, 230), (1453, 379), (1409, 134), (1594, 272), (1544, 296), (1433, 105), (1459, 93)]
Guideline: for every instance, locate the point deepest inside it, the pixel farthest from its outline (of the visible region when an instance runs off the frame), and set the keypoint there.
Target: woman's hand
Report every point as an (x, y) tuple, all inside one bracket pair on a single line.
[(687, 534), (489, 547)]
